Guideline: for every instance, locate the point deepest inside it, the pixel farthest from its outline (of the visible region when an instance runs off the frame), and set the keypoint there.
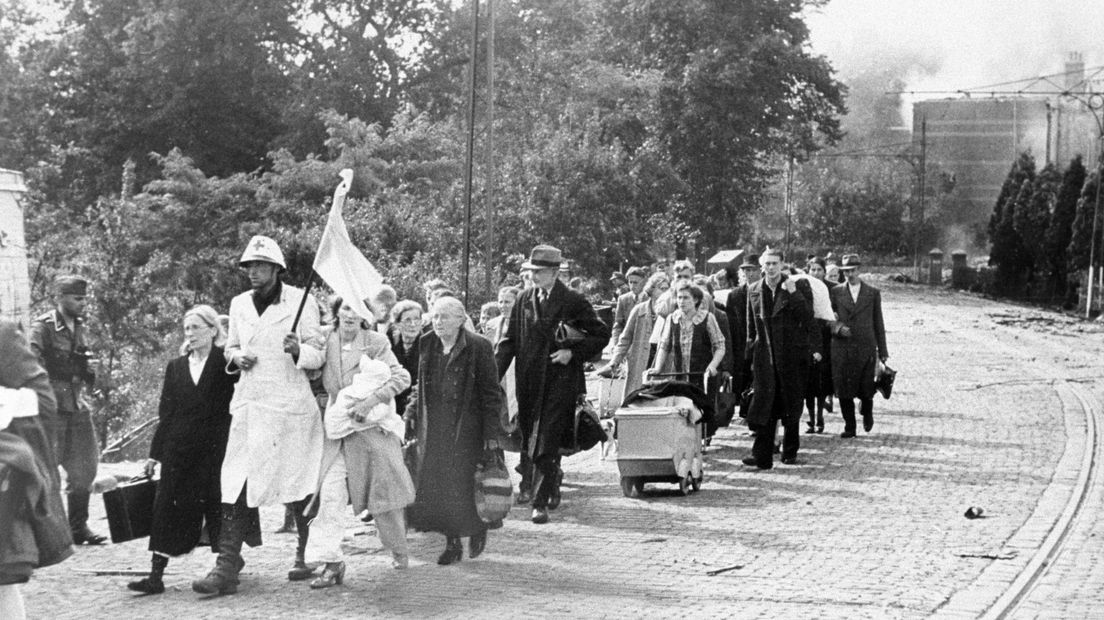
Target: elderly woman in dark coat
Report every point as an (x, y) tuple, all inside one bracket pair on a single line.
[(189, 444), (455, 409), (406, 332)]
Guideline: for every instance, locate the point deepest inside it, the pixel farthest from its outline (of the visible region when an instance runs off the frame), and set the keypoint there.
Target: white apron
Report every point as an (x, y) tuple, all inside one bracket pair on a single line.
[(276, 434)]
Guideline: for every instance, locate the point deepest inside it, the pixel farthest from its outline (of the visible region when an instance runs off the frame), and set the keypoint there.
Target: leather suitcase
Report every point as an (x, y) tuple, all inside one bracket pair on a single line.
[(130, 509)]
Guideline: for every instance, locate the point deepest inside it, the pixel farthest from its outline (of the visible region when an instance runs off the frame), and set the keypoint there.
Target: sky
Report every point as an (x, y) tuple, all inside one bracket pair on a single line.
[(958, 44)]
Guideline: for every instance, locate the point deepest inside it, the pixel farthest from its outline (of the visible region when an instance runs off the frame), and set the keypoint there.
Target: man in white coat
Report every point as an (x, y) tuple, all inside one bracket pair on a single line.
[(274, 451)]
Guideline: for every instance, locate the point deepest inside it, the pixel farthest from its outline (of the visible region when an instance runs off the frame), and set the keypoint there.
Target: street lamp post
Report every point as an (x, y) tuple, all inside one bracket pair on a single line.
[(1094, 103)]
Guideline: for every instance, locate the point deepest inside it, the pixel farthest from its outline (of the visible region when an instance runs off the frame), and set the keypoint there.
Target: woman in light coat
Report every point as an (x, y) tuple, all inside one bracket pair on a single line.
[(367, 465), (636, 346)]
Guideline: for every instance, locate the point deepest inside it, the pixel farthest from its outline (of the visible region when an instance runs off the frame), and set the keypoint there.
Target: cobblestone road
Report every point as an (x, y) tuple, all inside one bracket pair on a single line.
[(866, 528)]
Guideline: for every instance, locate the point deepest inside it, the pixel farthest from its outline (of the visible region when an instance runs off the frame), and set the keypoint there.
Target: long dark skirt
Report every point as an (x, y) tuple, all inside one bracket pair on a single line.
[(446, 488), (188, 502)]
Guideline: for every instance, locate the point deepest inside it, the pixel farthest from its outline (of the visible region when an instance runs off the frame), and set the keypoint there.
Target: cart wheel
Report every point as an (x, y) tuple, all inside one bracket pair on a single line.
[(684, 485), (627, 484), (695, 483), (638, 484)]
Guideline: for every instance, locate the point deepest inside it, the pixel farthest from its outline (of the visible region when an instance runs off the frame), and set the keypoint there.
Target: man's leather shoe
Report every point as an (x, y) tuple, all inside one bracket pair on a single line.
[(555, 496), (85, 536), (524, 497), (300, 571), (751, 462), (847, 434), (216, 582), (868, 422), (540, 515), (789, 460)]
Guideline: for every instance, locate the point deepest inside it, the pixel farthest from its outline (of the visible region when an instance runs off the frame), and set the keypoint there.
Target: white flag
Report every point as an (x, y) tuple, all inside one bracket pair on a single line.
[(339, 263)]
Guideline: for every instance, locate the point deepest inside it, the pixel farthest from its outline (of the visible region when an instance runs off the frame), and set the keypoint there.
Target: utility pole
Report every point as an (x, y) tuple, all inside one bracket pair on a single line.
[(489, 183), (923, 192), (465, 263), (788, 201)]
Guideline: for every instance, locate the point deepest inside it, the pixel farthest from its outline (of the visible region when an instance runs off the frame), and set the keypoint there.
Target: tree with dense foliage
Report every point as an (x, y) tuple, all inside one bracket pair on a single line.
[(1060, 229), (1031, 218), (1085, 223), (624, 131), (860, 216), (740, 95), (1008, 253)]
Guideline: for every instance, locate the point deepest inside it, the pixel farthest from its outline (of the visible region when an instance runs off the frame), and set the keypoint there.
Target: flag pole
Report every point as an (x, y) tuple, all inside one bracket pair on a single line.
[(303, 301), (339, 195)]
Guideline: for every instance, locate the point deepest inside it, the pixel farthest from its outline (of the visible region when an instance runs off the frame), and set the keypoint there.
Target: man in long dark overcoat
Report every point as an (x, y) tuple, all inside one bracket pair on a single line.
[(858, 342), (781, 339), (549, 375)]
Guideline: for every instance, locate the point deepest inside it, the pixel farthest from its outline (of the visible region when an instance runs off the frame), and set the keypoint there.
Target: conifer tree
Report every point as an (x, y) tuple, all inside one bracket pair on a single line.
[(1060, 230)]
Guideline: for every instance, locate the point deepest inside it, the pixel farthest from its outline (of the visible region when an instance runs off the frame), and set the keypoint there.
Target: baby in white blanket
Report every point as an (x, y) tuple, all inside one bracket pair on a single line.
[(372, 375)]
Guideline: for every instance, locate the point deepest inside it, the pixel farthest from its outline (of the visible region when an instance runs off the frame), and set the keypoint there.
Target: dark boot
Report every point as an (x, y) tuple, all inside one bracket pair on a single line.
[(525, 488), (152, 584), (78, 520), (223, 579), (301, 571), (847, 410), (554, 495), (454, 551)]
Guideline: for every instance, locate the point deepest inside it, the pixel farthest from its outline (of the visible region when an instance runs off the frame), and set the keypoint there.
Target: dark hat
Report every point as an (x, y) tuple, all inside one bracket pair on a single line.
[(544, 257), (617, 275), (850, 261), (71, 285), (750, 261), (636, 271)]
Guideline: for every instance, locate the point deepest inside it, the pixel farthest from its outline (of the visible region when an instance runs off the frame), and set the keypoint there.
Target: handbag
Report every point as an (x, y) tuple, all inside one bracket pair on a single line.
[(494, 491), (129, 509), (585, 431), (567, 336), (883, 383), (724, 401)]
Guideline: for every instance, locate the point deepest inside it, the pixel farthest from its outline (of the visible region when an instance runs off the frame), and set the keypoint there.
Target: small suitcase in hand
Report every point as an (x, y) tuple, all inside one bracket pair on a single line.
[(130, 509)]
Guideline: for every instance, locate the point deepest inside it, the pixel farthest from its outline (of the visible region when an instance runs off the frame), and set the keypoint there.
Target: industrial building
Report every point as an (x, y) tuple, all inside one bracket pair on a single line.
[(976, 136)]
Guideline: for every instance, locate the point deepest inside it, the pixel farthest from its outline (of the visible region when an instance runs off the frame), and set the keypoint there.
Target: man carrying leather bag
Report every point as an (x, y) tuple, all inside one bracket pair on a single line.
[(549, 376)]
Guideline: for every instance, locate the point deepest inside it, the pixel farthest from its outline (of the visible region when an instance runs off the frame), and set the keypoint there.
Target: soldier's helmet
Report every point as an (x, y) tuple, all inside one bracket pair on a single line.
[(262, 248)]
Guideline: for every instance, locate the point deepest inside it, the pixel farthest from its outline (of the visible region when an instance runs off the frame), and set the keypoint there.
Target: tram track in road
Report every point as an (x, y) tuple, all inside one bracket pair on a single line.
[(983, 598), (1043, 559)]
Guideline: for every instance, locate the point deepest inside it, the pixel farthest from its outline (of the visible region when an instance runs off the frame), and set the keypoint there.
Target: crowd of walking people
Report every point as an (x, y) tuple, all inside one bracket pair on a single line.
[(388, 418)]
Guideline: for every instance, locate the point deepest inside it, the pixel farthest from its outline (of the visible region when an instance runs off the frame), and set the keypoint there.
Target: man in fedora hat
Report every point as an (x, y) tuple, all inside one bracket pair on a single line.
[(549, 374), (274, 451), (58, 339), (620, 284), (858, 344)]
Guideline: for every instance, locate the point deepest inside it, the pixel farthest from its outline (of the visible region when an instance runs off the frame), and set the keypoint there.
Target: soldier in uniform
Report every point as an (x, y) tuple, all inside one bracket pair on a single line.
[(58, 339)]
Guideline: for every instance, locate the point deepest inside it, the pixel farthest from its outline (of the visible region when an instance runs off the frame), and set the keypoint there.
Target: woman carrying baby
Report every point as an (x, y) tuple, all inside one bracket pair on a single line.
[(455, 409), (365, 466)]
